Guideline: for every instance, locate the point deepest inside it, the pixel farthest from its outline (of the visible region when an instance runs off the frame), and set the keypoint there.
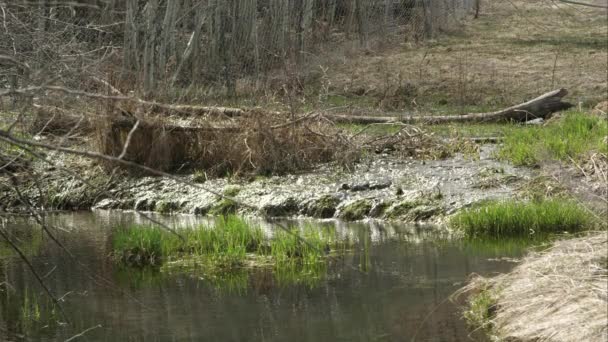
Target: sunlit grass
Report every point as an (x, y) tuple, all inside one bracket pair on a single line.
[(568, 138), (504, 219), (230, 245)]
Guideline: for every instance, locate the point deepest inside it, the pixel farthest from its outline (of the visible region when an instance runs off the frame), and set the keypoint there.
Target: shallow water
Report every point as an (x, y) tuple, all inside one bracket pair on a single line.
[(393, 287)]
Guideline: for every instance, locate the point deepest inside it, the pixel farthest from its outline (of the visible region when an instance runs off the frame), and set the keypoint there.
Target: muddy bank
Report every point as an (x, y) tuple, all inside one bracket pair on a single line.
[(385, 187)]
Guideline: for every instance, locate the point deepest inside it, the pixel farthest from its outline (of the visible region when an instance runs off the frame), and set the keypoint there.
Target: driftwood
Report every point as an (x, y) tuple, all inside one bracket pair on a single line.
[(540, 107)]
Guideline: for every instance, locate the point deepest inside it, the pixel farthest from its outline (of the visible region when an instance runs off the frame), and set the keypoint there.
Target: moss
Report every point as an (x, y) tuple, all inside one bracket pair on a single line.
[(232, 191), (287, 208), (403, 209), (419, 209), (424, 212), (379, 209), (356, 210), (166, 207), (324, 207), (223, 208)]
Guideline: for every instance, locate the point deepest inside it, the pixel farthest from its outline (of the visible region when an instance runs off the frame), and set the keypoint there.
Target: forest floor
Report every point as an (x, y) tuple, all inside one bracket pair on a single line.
[(515, 50)]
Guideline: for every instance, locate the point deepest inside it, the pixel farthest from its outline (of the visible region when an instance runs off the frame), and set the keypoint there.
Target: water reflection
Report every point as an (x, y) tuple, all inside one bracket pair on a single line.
[(382, 291)]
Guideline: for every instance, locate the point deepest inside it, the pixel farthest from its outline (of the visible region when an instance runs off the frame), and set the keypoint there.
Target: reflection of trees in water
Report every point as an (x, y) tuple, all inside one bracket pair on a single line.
[(389, 297)]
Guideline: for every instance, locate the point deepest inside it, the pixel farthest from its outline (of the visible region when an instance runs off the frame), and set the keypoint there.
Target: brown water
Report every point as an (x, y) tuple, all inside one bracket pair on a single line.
[(393, 287)]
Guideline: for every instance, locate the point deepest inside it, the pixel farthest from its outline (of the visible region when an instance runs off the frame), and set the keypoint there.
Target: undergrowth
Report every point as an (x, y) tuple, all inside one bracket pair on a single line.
[(503, 219)]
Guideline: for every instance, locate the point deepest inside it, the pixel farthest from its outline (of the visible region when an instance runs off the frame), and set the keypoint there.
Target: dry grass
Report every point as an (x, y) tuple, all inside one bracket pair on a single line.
[(560, 294), (514, 51)]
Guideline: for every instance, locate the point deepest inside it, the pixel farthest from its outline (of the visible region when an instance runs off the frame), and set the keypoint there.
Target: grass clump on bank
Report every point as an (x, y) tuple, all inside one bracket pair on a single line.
[(480, 309), (567, 138), (504, 219)]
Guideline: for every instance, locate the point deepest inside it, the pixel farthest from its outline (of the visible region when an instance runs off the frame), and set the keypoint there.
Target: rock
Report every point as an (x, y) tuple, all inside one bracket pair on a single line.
[(538, 121), (380, 186), (366, 186), (360, 187)]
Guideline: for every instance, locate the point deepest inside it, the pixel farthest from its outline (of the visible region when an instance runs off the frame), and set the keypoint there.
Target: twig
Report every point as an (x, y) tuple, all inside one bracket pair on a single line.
[(128, 142), (82, 333)]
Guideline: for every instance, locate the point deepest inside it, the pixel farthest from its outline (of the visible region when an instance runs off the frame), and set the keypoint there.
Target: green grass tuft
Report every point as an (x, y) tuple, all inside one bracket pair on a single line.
[(521, 219), (567, 138), (143, 245), (231, 245), (480, 310)]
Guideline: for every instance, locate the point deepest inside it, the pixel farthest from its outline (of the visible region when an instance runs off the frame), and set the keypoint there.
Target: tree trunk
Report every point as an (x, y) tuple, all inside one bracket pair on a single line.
[(150, 47), (167, 44), (131, 60)]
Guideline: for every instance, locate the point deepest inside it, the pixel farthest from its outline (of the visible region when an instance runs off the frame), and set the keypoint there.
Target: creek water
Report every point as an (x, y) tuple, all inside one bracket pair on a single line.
[(393, 286)]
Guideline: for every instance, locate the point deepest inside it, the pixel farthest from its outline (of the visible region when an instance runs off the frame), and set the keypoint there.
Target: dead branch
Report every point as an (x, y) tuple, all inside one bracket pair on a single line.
[(190, 109), (540, 107), (583, 4)]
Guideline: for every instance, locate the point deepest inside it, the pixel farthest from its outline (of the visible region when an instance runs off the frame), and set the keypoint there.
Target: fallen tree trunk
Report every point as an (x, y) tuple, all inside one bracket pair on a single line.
[(540, 107)]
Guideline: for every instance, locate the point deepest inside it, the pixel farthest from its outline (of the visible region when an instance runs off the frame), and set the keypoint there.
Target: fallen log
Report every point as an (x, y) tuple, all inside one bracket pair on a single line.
[(540, 107)]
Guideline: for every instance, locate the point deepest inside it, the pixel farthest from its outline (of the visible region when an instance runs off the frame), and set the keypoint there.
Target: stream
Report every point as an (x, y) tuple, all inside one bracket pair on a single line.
[(393, 286)]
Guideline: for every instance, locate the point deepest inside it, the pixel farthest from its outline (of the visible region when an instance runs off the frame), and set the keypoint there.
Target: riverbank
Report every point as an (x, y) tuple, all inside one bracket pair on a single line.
[(558, 294), (384, 186)]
